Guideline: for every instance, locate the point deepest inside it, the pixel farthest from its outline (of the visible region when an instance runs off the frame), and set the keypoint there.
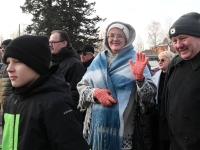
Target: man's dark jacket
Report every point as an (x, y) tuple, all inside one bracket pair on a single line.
[(181, 100), (42, 117), (72, 69), (87, 63)]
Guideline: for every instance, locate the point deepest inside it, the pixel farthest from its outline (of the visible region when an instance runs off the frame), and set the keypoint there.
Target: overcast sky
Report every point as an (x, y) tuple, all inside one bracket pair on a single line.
[(138, 13), (11, 16)]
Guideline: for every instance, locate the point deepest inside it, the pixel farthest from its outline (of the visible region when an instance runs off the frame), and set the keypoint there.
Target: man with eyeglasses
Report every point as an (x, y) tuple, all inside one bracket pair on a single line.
[(71, 67), (86, 55)]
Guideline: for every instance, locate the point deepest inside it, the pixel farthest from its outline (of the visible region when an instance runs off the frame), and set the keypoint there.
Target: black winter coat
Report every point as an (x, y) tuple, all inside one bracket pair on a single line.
[(42, 117), (71, 67), (87, 63), (182, 103)]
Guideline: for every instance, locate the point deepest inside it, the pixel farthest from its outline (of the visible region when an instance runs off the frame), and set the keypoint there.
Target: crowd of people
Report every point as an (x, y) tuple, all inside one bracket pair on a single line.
[(53, 97)]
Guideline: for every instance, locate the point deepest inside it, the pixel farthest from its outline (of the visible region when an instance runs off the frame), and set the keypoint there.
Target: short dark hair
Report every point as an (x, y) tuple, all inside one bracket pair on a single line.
[(63, 35)]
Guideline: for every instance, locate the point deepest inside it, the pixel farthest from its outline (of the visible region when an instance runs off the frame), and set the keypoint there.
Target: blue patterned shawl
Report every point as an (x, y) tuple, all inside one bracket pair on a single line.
[(107, 124)]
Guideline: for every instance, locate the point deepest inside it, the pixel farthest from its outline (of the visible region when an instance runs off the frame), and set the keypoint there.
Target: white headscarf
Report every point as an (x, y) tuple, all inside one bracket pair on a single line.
[(122, 27)]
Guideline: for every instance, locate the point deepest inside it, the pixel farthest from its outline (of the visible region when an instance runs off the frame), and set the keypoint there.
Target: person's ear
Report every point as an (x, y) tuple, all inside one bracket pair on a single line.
[(65, 43)]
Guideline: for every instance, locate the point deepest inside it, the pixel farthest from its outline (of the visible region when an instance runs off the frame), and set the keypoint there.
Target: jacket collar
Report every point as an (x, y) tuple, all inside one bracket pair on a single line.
[(63, 54), (195, 62)]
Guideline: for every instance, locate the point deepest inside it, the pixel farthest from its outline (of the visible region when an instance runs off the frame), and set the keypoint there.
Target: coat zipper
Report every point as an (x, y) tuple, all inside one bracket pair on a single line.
[(15, 111)]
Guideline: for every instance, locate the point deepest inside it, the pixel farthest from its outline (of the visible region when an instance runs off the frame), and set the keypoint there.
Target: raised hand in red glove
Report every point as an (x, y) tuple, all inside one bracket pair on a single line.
[(137, 68), (104, 97)]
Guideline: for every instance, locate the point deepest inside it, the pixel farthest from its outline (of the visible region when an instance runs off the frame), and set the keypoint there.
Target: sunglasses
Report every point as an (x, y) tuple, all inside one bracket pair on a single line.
[(161, 60), (85, 53)]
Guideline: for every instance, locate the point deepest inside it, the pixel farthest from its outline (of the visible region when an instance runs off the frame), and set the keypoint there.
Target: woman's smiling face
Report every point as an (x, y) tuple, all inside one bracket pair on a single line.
[(116, 40)]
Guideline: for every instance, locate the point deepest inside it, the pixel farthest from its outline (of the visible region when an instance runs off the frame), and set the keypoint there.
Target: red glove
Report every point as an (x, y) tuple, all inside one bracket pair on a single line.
[(104, 97), (138, 68)]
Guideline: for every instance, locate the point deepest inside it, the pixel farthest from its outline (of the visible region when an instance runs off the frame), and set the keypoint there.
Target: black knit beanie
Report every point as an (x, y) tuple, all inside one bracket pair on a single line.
[(188, 24), (32, 50), (6, 42)]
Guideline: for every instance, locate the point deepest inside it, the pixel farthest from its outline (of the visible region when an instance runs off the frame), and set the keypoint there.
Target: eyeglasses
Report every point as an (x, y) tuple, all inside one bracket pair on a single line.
[(85, 53), (54, 42), (161, 60), (119, 37)]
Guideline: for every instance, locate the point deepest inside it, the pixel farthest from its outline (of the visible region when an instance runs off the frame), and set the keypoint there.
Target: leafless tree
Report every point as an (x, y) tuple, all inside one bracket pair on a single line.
[(1, 39), (14, 34), (19, 31), (100, 44), (167, 25), (155, 34), (139, 44)]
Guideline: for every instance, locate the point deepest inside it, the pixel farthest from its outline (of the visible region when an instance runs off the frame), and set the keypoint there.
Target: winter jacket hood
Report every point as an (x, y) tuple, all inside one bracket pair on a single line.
[(65, 52)]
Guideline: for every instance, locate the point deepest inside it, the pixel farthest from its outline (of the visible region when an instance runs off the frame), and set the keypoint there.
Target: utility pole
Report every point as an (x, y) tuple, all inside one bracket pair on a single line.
[(19, 29)]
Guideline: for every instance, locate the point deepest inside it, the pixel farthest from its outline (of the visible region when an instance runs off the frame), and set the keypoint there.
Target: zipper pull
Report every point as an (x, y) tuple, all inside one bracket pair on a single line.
[(17, 98), (16, 101)]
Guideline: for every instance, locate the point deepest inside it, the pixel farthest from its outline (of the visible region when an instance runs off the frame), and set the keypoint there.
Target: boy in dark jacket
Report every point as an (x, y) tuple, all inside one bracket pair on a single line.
[(40, 112)]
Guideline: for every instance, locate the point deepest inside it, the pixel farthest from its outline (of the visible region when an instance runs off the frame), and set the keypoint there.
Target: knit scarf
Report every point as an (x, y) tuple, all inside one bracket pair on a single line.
[(107, 126)]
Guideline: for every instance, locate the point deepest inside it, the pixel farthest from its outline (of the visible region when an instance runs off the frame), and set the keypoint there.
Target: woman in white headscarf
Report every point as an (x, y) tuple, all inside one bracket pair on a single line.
[(105, 90)]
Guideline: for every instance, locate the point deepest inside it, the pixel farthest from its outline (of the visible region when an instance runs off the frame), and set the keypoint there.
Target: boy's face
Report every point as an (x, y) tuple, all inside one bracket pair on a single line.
[(19, 73)]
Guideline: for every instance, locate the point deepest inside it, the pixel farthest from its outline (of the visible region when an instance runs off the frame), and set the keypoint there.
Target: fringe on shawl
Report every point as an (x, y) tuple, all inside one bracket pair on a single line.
[(111, 135)]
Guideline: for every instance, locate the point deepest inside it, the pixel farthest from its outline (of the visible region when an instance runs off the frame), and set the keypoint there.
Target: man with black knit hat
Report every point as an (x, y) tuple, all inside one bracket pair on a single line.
[(86, 54), (5, 86), (69, 62), (40, 112), (3, 45), (181, 97)]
